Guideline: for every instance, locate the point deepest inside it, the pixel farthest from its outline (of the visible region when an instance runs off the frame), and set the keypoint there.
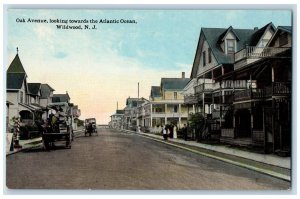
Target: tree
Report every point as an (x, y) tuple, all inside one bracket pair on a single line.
[(197, 122)]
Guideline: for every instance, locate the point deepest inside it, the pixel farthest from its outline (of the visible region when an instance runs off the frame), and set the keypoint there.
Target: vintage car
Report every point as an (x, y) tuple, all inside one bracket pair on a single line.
[(90, 126), (58, 125)]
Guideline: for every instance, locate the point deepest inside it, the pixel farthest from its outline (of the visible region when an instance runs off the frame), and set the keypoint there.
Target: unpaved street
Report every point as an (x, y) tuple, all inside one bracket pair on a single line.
[(115, 160)]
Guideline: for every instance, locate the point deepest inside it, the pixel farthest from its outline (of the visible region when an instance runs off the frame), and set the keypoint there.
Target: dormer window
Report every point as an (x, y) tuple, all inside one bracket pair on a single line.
[(264, 42), (230, 46), (209, 55)]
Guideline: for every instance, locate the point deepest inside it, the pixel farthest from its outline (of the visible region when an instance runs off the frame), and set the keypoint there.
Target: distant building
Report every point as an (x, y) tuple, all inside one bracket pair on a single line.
[(166, 103), (46, 95), (116, 119), (61, 98), (130, 113)]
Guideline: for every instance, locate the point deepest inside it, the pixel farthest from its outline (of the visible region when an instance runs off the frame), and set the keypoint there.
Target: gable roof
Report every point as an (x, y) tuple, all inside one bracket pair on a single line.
[(45, 91), (222, 36), (16, 66), (259, 33), (155, 91), (174, 83), (33, 88), (280, 29), (213, 36), (15, 80), (61, 97), (285, 28)]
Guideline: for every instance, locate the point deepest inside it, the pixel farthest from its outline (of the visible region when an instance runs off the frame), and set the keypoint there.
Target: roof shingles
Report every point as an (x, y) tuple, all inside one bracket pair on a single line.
[(174, 83)]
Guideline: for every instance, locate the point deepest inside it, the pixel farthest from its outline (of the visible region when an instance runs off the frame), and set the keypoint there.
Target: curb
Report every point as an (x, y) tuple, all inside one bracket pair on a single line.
[(36, 143), (260, 170), (23, 149)]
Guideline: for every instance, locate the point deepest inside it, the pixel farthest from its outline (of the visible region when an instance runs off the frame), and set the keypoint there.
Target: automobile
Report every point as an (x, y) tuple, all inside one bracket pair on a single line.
[(90, 126)]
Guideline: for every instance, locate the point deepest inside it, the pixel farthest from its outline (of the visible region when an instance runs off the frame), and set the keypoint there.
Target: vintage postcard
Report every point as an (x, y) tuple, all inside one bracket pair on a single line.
[(141, 99)]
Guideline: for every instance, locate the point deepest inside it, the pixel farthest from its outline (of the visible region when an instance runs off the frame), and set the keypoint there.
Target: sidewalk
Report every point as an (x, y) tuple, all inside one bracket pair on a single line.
[(26, 144), (269, 164), (31, 143)]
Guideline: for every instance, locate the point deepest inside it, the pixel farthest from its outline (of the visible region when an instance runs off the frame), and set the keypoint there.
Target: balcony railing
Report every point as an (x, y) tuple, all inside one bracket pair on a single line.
[(206, 87), (248, 94), (190, 99), (259, 52), (235, 84), (277, 89)]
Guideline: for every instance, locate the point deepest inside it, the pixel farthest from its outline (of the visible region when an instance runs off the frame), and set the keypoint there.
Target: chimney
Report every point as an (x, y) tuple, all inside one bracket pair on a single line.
[(255, 28), (183, 75)]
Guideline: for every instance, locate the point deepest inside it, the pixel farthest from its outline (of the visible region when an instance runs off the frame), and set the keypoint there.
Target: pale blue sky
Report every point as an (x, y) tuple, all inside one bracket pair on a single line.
[(100, 67)]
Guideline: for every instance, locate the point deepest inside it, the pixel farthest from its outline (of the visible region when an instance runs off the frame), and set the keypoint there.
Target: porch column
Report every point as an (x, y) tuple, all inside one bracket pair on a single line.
[(179, 114), (222, 68), (273, 74), (233, 125), (166, 106), (194, 108), (203, 103), (151, 115)]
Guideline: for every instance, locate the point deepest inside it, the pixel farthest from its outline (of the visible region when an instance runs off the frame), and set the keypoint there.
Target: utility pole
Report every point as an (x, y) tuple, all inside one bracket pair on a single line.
[(138, 89)]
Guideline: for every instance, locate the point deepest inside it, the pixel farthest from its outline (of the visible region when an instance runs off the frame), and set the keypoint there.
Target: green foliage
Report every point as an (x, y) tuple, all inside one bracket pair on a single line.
[(196, 121)]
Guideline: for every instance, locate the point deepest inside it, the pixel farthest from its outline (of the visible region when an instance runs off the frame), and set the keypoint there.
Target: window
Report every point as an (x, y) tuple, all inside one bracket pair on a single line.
[(204, 58), (264, 42), (175, 95), (283, 39), (175, 109), (21, 97), (209, 55), (230, 46)]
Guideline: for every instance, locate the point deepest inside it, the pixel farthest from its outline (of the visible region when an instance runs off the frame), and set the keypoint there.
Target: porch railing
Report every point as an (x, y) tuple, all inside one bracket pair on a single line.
[(234, 84), (258, 136), (276, 89), (190, 99), (206, 87), (259, 52), (229, 133), (249, 94)]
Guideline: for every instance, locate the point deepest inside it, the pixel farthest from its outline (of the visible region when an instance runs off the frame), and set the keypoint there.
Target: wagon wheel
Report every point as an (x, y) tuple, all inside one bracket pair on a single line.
[(46, 144)]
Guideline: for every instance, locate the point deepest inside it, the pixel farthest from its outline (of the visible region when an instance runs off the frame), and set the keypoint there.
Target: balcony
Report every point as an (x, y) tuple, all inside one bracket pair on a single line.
[(277, 89), (190, 99), (259, 52), (206, 87), (227, 84), (251, 54), (248, 94)]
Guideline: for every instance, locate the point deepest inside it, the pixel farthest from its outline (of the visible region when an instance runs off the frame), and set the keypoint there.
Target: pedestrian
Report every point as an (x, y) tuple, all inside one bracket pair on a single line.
[(175, 132), (165, 135), (184, 132)]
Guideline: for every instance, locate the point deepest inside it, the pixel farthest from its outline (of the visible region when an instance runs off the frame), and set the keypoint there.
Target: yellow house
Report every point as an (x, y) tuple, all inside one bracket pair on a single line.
[(166, 105)]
